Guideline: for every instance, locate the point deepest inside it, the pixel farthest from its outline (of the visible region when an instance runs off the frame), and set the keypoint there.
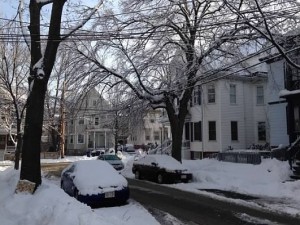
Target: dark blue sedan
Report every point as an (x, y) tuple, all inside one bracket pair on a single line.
[(94, 182)]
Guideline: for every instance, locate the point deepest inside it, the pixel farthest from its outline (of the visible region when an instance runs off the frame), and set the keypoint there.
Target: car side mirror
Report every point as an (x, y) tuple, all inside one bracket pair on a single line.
[(154, 164)]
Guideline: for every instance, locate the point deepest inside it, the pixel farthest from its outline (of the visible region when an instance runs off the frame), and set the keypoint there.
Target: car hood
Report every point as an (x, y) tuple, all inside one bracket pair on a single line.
[(98, 179), (114, 162)]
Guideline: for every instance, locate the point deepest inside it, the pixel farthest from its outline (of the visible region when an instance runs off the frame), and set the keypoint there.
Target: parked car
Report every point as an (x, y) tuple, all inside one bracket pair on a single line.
[(94, 182), (113, 160), (129, 149), (97, 152), (160, 168)]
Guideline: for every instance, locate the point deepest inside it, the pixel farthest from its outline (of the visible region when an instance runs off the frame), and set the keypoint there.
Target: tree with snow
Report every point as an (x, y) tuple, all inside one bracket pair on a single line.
[(161, 49)]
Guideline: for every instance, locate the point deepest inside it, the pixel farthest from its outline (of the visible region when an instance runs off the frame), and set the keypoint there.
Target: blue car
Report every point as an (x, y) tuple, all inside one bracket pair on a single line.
[(94, 182)]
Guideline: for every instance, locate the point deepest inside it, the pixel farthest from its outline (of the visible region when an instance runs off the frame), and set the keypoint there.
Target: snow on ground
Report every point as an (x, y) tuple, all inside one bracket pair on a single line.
[(269, 182), (50, 205)]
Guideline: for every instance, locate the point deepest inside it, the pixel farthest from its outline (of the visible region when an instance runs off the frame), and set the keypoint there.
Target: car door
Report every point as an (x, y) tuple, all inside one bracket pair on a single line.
[(150, 167)]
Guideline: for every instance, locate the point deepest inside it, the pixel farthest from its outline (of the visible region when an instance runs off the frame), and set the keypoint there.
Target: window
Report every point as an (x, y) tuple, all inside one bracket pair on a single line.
[(147, 134), (96, 120), (72, 122), (94, 102), (259, 95), (80, 139), (261, 128), (81, 121), (211, 94), (197, 131), (212, 132), (156, 135), (71, 139), (297, 118), (232, 94), (187, 131), (234, 130), (196, 96)]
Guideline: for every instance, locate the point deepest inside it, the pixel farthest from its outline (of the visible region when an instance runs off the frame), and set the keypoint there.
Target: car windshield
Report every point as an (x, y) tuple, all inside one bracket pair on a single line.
[(111, 157)]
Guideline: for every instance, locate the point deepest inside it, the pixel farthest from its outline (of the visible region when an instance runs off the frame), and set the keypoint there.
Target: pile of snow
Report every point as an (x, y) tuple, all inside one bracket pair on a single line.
[(266, 179), (50, 205)]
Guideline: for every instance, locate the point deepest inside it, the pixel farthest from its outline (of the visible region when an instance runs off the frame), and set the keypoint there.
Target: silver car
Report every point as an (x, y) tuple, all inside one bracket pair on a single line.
[(113, 160)]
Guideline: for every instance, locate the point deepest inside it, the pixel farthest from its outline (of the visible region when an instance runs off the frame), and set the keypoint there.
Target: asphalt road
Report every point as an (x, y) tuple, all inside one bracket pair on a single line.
[(198, 209)]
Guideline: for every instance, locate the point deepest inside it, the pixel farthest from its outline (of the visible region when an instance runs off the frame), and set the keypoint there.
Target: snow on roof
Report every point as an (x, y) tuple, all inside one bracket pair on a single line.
[(285, 92), (92, 174)]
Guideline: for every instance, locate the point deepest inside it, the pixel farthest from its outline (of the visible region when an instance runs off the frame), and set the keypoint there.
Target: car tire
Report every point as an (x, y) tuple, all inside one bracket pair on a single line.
[(76, 193), (137, 175), (160, 178), (62, 185)]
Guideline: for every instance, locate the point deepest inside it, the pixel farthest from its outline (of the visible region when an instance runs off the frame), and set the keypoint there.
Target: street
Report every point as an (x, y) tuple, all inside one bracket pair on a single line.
[(197, 209)]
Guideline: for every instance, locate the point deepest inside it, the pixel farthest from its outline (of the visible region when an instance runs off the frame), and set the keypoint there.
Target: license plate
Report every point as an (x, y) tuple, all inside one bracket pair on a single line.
[(110, 194), (183, 176)]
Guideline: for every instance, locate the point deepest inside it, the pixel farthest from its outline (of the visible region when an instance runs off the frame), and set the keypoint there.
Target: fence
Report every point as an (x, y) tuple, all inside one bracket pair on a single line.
[(240, 157)]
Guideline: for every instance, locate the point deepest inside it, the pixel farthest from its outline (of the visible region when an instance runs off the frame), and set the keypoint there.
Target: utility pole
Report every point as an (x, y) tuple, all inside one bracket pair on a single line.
[(62, 122)]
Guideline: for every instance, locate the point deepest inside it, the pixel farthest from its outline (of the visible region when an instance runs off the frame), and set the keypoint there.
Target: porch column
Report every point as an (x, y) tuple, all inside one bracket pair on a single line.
[(94, 140)]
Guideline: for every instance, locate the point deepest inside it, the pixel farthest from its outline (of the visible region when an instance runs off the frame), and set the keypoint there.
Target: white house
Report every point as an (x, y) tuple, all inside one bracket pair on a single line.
[(228, 113), (151, 131)]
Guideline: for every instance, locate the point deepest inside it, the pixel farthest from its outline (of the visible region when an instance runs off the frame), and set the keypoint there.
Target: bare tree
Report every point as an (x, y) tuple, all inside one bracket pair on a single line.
[(161, 49), (43, 49), (274, 21), (14, 69)]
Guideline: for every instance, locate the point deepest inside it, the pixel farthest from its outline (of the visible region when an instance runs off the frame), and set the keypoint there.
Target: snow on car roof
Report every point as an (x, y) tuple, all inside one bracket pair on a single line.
[(164, 161), (92, 174)]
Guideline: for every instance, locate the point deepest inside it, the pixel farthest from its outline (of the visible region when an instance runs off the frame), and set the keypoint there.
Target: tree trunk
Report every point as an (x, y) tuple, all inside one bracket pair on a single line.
[(177, 131), (177, 123), (31, 166), (19, 145)]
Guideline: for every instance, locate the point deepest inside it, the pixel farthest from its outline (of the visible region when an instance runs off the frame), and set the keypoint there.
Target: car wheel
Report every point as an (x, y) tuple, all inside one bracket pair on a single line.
[(137, 175), (75, 193), (160, 178)]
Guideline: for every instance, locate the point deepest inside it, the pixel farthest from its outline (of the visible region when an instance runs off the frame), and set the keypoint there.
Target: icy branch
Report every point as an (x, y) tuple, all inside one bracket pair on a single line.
[(78, 26), (24, 31)]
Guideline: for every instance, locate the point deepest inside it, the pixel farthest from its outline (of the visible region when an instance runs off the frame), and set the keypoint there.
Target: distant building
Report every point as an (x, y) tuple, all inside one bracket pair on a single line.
[(90, 125), (151, 131)]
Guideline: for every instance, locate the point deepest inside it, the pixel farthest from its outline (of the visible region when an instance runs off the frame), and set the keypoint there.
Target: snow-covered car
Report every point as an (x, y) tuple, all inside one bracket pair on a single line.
[(94, 182), (129, 149), (160, 168), (113, 160)]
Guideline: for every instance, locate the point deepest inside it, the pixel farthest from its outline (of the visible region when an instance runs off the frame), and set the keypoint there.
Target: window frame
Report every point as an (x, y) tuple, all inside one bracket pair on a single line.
[(232, 96), (81, 120), (96, 121), (212, 136), (259, 131), (260, 97), (234, 130), (197, 126), (83, 139), (211, 94)]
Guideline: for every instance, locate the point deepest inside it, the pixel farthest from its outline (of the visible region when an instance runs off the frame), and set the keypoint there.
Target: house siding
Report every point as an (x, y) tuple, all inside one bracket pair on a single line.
[(244, 111), (276, 107)]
